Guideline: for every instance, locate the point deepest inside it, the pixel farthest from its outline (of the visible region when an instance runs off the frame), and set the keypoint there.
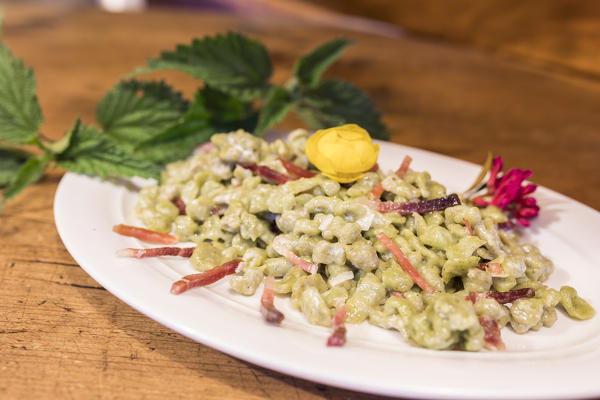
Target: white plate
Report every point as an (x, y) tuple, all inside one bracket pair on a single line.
[(559, 362)]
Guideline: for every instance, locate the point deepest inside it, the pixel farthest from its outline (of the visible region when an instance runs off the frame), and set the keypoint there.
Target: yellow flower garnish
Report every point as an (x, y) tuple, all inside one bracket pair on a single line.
[(343, 153)]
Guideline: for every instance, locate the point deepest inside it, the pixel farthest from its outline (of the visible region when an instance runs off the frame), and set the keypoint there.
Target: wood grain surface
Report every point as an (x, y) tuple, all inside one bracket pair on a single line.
[(64, 336), (553, 34)]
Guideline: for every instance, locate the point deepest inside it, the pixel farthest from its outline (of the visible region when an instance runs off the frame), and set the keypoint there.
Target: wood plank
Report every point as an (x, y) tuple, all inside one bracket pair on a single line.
[(62, 335), (560, 35)]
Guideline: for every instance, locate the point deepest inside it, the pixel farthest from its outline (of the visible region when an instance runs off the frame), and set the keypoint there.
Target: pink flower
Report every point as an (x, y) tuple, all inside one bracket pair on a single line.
[(508, 192)]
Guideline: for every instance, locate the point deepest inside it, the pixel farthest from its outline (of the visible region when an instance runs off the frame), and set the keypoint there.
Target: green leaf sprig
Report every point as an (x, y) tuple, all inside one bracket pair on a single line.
[(146, 124)]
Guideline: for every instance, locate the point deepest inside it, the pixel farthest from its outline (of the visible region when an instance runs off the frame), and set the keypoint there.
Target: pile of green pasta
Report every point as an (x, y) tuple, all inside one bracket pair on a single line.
[(232, 213)]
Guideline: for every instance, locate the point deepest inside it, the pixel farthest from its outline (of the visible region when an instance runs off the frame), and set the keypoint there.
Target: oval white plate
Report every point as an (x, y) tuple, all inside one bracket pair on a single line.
[(559, 362)]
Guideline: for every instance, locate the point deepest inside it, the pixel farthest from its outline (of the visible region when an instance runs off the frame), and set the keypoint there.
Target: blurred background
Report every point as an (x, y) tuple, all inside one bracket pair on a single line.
[(554, 34)]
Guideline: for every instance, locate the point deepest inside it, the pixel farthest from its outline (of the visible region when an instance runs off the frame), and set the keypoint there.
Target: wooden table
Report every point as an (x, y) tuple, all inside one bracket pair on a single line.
[(64, 336)]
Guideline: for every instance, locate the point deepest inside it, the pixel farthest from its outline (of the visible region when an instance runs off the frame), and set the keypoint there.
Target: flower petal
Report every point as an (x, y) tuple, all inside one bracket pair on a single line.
[(528, 189), (497, 165), (342, 153)]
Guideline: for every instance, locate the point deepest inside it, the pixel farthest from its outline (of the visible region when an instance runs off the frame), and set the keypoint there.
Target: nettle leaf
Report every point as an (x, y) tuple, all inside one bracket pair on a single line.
[(309, 68), (11, 160), (276, 107), (231, 63), (226, 112), (63, 143), (20, 114), (178, 141), (93, 153), (135, 110), (221, 107), (211, 111), (30, 172), (334, 102)]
